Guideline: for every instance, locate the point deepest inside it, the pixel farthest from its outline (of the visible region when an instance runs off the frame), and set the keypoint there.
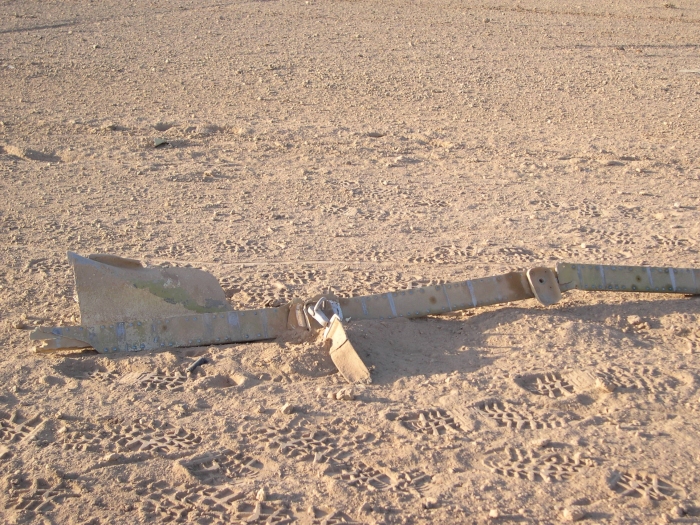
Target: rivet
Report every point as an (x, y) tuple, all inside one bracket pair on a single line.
[(259, 335), (106, 349), (170, 344), (111, 326), (139, 323), (102, 326), (247, 336), (199, 340), (143, 346), (114, 349)]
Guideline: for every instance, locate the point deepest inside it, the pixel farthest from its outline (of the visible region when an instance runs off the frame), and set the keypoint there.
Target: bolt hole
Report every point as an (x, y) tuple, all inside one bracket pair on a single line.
[(541, 281)]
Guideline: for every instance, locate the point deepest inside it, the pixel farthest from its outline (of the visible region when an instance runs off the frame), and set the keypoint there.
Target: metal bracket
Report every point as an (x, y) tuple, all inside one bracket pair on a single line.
[(343, 354), (316, 312), (544, 284)]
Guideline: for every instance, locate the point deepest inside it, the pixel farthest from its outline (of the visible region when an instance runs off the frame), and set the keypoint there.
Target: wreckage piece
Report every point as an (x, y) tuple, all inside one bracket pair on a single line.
[(126, 307), (439, 299), (343, 354), (540, 283), (112, 289), (170, 332), (613, 278)]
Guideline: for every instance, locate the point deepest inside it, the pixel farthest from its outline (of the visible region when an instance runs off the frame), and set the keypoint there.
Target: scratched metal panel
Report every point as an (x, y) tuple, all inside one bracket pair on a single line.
[(176, 332)]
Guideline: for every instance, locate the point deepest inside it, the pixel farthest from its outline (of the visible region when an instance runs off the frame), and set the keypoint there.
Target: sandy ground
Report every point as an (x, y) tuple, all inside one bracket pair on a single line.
[(362, 146)]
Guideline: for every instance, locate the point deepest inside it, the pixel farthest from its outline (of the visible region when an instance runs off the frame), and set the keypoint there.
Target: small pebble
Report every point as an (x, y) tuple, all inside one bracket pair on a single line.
[(634, 320), (112, 457), (678, 512), (430, 503), (287, 408), (571, 514), (261, 494), (345, 394), (494, 514)]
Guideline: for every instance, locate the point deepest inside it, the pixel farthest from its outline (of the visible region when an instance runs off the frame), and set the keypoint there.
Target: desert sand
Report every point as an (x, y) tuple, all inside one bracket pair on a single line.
[(362, 147)]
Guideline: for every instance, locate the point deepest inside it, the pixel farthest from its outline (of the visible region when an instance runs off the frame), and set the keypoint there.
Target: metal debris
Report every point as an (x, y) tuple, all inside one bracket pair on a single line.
[(126, 307), (199, 362)]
